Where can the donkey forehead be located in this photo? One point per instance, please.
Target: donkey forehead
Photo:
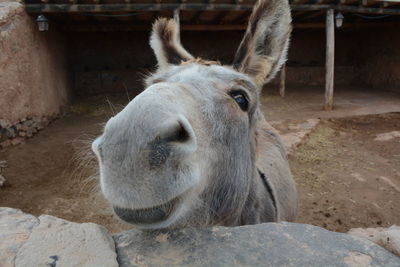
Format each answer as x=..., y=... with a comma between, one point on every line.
x=203, y=76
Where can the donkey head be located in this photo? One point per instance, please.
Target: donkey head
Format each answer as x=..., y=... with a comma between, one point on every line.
x=183, y=151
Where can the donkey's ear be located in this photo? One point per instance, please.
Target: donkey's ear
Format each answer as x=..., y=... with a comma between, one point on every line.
x=166, y=43
x=264, y=46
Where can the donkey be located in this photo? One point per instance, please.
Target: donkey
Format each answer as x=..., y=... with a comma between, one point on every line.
x=194, y=149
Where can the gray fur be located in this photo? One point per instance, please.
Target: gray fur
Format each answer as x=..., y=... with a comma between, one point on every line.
x=183, y=153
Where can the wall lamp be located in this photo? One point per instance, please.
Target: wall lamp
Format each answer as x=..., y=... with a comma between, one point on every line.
x=43, y=23
x=339, y=20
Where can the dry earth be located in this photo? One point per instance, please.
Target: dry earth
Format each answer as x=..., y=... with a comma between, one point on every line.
x=345, y=177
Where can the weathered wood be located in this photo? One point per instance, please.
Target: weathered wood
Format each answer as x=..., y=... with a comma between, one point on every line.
x=330, y=59
x=105, y=27
x=76, y=8
x=282, y=82
x=178, y=22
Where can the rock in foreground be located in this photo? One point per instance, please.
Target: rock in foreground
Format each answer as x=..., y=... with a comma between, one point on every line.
x=388, y=238
x=48, y=241
x=272, y=244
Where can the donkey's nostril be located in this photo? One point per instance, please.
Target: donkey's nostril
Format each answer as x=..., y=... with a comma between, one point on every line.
x=177, y=132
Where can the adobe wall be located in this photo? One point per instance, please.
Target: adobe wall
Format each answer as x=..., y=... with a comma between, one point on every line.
x=33, y=76
x=377, y=58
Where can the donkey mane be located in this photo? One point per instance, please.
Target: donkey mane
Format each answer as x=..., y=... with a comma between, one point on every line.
x=201, y=61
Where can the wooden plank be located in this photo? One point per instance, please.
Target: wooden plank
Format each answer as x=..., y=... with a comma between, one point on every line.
x=219, y=18
x=330, y=59
x=89, y=8
x=313, y=15
x=388, y=3
x=347, y=8
x=83, y=26
x=177, y=20
x=127, y=28
x=196, y=17
x=130, y=7
x=282, y=82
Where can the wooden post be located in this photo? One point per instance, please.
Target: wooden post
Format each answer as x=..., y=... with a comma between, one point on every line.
x=330, y=59
x=178, y=23
x=282, y=81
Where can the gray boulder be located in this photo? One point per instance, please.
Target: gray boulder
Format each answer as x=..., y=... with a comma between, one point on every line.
x=272, y=244
x=15, y=228
x=388, y=238
x=56, y=242
x=48, y=241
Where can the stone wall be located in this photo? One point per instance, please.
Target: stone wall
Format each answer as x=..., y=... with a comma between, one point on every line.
x=33, y=76
x=14, y=134
x=26, y=240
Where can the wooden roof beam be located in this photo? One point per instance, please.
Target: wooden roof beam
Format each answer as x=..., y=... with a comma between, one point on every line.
x=314, y=14
x=196, y=17
x=218, y=18
x=347, y=8
x=368, y=2
x=96, y=8
x=347, y=2
x=390, y=3
x=240, y=19
x=95, y=27
x=299, y=1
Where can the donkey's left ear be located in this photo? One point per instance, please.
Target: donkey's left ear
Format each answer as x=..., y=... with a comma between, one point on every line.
x=264, y=46
x=166, y=43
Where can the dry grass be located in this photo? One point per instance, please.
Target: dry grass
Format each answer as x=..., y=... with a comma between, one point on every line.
x=315, y=153
x=100, y=105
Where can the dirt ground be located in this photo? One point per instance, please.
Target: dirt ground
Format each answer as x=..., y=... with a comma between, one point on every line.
x=50, y=174
x=345, y=177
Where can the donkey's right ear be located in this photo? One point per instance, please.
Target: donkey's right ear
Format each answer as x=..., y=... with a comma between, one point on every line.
x=166, y=43
x=264, y=46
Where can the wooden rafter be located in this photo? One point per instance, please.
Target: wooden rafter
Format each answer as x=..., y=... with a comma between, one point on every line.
x=130, y=7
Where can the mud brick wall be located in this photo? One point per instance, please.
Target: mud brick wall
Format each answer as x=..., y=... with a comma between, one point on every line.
x=33, y=76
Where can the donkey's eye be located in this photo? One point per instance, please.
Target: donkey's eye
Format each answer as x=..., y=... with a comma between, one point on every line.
x=241, y=99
